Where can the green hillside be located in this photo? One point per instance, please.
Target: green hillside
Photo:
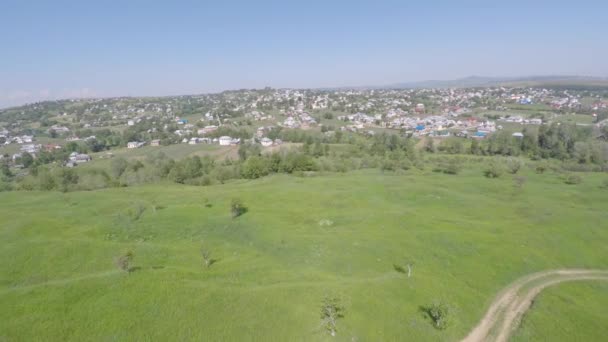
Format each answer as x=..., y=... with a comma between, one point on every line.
x=302, y=239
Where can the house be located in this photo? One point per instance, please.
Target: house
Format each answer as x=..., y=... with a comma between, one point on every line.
x=206, y=130
x=266, y=142
x=225, y=140
x=518, y=135
x=79, y=158
x=193, y=141
x=31, y=148
x=155, y=142
x=58, y=129
x=51, y=147
x=130, y=123
x=134, y=144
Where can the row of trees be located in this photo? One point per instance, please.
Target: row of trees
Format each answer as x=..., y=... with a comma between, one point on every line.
x=563, y=142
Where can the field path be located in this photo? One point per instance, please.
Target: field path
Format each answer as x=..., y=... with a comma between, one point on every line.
x=505, y=313
x=62, y=281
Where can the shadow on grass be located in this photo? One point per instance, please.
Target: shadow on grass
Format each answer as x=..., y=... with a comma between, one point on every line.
x=134, y=269
x=399, y=269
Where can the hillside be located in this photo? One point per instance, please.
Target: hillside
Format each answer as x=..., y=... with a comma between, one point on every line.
x=302, y=238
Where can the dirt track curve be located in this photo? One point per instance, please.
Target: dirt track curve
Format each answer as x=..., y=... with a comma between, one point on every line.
x=505, y=312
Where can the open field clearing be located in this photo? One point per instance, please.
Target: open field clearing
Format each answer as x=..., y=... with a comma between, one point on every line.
x=350, y=236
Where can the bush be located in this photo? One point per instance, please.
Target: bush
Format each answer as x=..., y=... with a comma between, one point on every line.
x=124, y=262
x=237, y=208
x=449, y=166
x=514, y=165
x=604, y=184
x=331, y=311
x=439, y=313
x=541, y=167
x=493, y=170
x=255, y=167
x=573, y=179
x=519, y=181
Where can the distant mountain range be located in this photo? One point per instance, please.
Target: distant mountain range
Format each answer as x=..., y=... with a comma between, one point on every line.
x=480, y=81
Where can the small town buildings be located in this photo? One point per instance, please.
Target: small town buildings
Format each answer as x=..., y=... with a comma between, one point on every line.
x=206, y=130
x=155, y=142
x=31, y=148
x=134, y=144
x=225, y=140
x=266, y=142
x=76, y=158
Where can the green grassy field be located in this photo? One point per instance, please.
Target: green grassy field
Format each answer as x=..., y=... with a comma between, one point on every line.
x=568, y=312
x=302, y=239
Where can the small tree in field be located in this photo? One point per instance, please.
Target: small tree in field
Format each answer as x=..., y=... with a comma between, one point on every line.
x=439, y=313
x=237, y=208
x=206, y=254
x=331, y=311
x=493, y=170
x=513, y=165
x=124, y=262
x=519, y=181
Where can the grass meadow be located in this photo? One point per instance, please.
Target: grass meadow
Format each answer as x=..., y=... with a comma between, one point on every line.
x=302, y=238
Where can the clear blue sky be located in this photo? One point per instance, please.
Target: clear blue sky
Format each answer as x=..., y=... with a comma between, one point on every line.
x=57, y=49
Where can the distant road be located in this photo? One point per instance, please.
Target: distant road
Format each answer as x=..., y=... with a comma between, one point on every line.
x=505, y=312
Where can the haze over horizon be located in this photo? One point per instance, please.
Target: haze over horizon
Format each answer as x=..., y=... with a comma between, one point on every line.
x=69, y=49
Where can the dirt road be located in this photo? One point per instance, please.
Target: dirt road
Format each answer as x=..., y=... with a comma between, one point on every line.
x=505, y=312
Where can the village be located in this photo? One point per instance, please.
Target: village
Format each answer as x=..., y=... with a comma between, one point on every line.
x=133, y=123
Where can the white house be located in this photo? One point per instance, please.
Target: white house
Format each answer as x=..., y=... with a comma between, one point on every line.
x=266, y=142
x=134, y=144
x=225, y=140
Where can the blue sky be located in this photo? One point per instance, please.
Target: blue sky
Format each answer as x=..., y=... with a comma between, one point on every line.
x=59, y=49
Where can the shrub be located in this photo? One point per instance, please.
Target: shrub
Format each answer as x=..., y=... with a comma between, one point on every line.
x=255, y=167
x=439, y=313
x=573, y=179
x=541, y=167
x=124, y=262
x=519, y=181
x=493, y=170
x=514, y=165
x=206, y=254
x=604, y=184
x=331, y=311
x=237, y=208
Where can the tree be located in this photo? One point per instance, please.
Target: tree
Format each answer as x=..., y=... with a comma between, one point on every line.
x=206, y=254
x=429, y=145
x=67, y=177
x=5, y=169
x=493, y=170
x=237, y=208
x=572, y=179
x=475, y=148
x=118, y=167
x=541, y=167
x=439, y=313
x=27, y=159
x=513, y=165
x=124, y=262
x=519, y=181
x=331, y=311
x=255, y=167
